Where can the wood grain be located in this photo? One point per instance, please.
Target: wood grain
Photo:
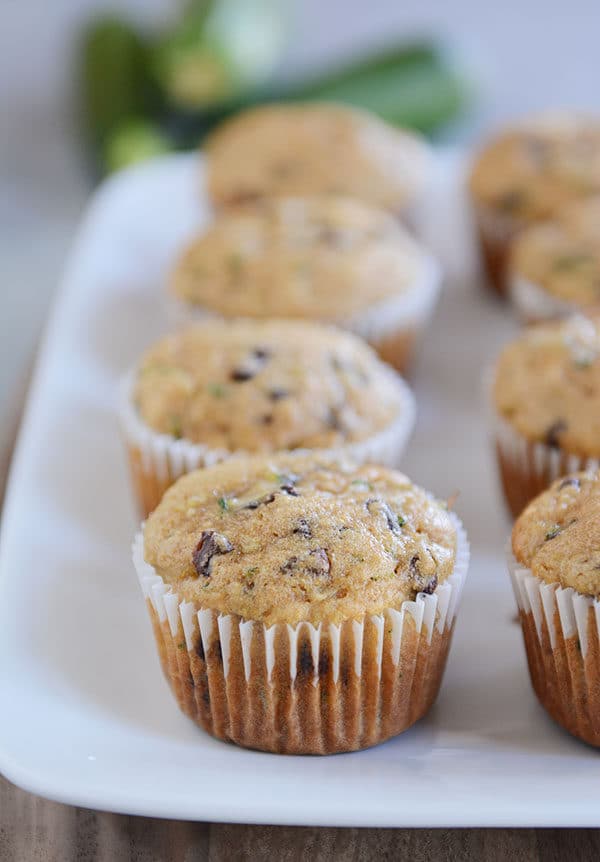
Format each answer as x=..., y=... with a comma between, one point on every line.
x=37, y=830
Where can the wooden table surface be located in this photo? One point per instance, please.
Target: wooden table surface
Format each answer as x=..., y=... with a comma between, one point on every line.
x=32, y=828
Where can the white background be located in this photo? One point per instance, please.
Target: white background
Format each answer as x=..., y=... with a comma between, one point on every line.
x=523, y=55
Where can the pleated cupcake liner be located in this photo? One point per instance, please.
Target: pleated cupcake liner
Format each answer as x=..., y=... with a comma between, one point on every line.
x=392, y=327
x=533, y=304
x=495, y=233
x=527, y=468
x=157, y=460
x=304, y=689
x=561, y=631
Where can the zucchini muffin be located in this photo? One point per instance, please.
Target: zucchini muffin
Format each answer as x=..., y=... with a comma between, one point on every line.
x=219, y=388
x=300, y=604
x=315, y=148
x=528, y=174
x=555, y=568
x=546, y=406
x=320, y=258
x=555, y=265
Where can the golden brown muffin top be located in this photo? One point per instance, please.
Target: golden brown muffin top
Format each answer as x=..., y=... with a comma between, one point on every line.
x=562, y=256
x=292, y=537
x=547, y=384
x=558, y=534
x=262, y=386
x=323, y=258
x=314, y=148
x=529, y=172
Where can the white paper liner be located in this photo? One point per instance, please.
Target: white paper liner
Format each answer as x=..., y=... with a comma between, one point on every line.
x=532, y=466
x=534, y=304
x=562, y=649
x=407, y=312
x=188, y=626
x=166, y=458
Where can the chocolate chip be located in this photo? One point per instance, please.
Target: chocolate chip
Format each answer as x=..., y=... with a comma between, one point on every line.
x=303, y=529
x=289, y=566
x=420, y=582
x=261, y=501
x=240, y=375
x=568, y=482
x=379, y=507
x=319, y=563
x=267, y=419
x=431, y=586
x=210, y=545
x=256, y=360
x=289, y=489
x=277, y=393
x=316, y=563
x=554, y=431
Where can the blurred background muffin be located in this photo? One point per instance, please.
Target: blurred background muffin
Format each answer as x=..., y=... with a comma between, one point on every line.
x=322, y=258
x=305, y=606
x=221, y=388
x=545, y=404
x=527, y=174
x=555, y=265
x=315, y=148
x=555, y=569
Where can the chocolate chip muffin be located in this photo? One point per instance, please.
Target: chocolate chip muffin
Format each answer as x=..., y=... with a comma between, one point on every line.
x=528, y=174
x=321, y=258
x=555, y=567
x=224, y=387
x=315, y=148
x=555, y=265
x=546, y=406
x=301, y=604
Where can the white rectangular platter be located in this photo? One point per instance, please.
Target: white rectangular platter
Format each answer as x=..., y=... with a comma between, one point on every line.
x=85, y=715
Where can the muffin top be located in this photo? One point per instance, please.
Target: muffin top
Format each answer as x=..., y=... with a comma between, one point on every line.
x=547, y=384
x=531, y=171
x=291, y=538
x=262, y=386
x=314, y=148
x=321, y=258
x=558, y=534
x=563, y=255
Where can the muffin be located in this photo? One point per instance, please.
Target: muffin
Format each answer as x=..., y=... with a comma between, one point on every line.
x=528, y=174
x=315, y=148
x=301, y=605
x=225, y=387
x=322, y=258
x=546, y=406
x=555, y=568
x=555, y=265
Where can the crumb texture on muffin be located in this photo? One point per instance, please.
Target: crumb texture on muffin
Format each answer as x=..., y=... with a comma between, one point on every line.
x=557, y=537
x=321, y=257
x=531, y=171
x=266, y=385
x=314, y=148
x=562, y=256
x=295, y=538
x=547, y=385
